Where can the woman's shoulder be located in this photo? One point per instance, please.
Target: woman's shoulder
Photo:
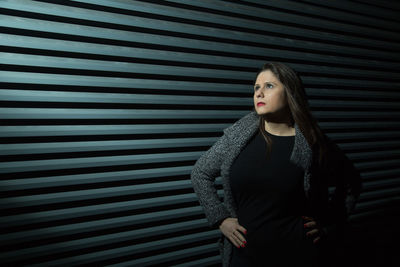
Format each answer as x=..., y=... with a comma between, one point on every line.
x=249, y=121
x=336, y=156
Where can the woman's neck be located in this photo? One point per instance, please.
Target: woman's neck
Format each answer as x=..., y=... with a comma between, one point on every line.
x=277, y=128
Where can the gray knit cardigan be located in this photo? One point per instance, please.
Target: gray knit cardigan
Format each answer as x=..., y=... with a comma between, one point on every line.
x=218, y=159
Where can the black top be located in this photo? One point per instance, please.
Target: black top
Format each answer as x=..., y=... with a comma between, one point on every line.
x=270, y=197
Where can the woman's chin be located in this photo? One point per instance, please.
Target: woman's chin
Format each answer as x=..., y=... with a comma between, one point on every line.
x=261, y=112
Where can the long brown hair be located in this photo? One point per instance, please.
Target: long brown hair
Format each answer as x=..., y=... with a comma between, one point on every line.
x=299, y=109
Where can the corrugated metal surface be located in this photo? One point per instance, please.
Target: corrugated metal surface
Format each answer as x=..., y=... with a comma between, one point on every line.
x=106, y=105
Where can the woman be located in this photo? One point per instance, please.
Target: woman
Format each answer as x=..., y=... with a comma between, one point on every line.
x=276, y=166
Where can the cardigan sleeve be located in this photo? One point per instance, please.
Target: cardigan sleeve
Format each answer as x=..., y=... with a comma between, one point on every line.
x=205, y=171
x=347, y=187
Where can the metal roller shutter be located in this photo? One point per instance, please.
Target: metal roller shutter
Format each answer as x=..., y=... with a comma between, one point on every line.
x=106, y=105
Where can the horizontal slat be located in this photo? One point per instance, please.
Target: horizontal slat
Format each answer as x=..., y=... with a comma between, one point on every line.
x=80, y=97
x=106, y=17
x=370, y=145
x=77, y=97
x=159, y=258
x=93, y=210
x=363, y=10
x=375, y=155
x=365, y=135
x=80, y=80
x=60, y=130
x=312, y=81
x=148, y=84
x=201, y=262
x=62, y=147
x=376, y=204
x=384, y=193
x=246, y=10
x=356, y=114
x=358, y=125
x=76, y=130
x=115, y=238
x=375, y=208
x=127, y=67
x=87, y=162
x=143, y=53
x=106, y=66
x=100, y=224
x=359, y=94
x=383, y=183
x=378, y=176
x=149, y=246
x=78, y=195
x=386, y=18
x=92, y=178
x=393, y=163
x=354, y=104
x=178, y=254
x=75, y=113
x=88, y=31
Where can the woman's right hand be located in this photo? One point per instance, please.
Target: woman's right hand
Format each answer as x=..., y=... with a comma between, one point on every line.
x=233, y=231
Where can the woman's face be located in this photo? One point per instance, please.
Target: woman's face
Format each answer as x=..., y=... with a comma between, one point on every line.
x=270, y=91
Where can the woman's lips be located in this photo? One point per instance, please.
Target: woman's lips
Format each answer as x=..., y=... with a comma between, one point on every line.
x=260, y=104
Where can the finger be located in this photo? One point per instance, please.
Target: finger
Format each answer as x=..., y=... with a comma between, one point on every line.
x=307, y=218
x=234, y=242
x=240, y=237
x=311, y=224
x=242, y=229
x=312, y=232
x=237, y=241
x=316, y=240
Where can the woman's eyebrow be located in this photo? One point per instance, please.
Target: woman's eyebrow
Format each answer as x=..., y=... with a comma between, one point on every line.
x=270, y=82
x=264, y=83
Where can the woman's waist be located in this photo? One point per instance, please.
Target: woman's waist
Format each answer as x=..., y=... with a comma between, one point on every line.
x=274, y=229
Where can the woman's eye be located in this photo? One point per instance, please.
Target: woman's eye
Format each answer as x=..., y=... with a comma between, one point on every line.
x=270, y=85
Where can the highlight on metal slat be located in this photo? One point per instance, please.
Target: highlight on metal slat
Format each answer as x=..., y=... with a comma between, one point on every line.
x=41, y=217
x=90, y=31
x=103, y=50
x=110, y=129
x=341, y=14
x=384, y=12
x=95, y=225
x=80, y=97
x=121, y=19
x=124, y=68
x=62, y=147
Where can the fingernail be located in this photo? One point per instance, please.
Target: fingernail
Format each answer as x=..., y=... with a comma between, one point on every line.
x=305, y=225
x=245, y=232
x=244, y=242
x=242, y=246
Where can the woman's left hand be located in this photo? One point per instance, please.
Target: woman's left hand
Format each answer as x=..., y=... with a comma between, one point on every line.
x=315, y=227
